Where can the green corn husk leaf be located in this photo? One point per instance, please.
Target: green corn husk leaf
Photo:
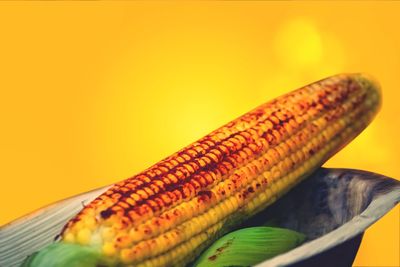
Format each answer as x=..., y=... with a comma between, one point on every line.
x=65, y=255
x=249, y=246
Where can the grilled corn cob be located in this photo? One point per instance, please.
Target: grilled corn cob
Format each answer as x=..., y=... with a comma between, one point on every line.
x=167, y=214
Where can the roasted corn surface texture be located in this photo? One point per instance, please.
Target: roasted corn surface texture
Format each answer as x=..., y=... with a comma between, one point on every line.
x=167, y=214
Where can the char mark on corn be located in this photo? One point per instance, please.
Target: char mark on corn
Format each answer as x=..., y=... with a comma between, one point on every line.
x=168, y=213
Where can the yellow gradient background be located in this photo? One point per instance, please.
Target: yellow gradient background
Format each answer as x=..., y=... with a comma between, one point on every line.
x=94, y=92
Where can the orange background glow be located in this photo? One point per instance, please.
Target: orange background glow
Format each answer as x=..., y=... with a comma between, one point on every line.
x=94, y=92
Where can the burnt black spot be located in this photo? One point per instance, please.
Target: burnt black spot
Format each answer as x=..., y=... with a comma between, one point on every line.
x=57, y=237
x=250, y=189
x=212, y=258
x=206, y=193
x=105, y=214
x=221, y=249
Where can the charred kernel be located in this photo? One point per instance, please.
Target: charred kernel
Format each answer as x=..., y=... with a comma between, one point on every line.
x=166, y=181
x=172, y=196
x=204, y=146
x=176, y=213
x=269, y=125
x=150, y=173
x=108, y=192
x=172, y=163
x=148, y=191
x=218, y=153
x=158, y=172
x=195, y=184
x=124, y=189
x=148, y=231
x=142, y=194
x=185, y=156
x=253, y=148
x=282, y=130
x=143, y=178
x=186, y=191
x=153, y=205
x=159, y=202
x=192, y=152
x=178, y=193
x=206, y=160
x=138, y=212
x=229, y=144
x=274, y=120
x=183, y=170
x=276, y=134
x=222, y=169
x=105, y=214
x=172, y=178
x=209, y=143
x=130, y=201
x=180, y=159
x=241, y=140
x=223, y=149
x=237, y=158
x=191, y=188
x=227, y=165
x=244, y=156
x=205, y=193
x=212, y=157
x=179, y=174
x=201, y=162
x=116, y=195
x=114, y=209
x=197, y=181
x=163, y=167
x=253, y=132
x=259, y=145
x=135, y=197
x=248, y=152
x=123, y=205
x=190, y=167
x=132, y=185
x=155, y=189
x=160, y=184
x=198, y=148
x=166, y=199
x=231, y=160
x=270, y=138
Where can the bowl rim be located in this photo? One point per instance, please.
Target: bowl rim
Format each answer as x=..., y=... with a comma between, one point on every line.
x=377, y=208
